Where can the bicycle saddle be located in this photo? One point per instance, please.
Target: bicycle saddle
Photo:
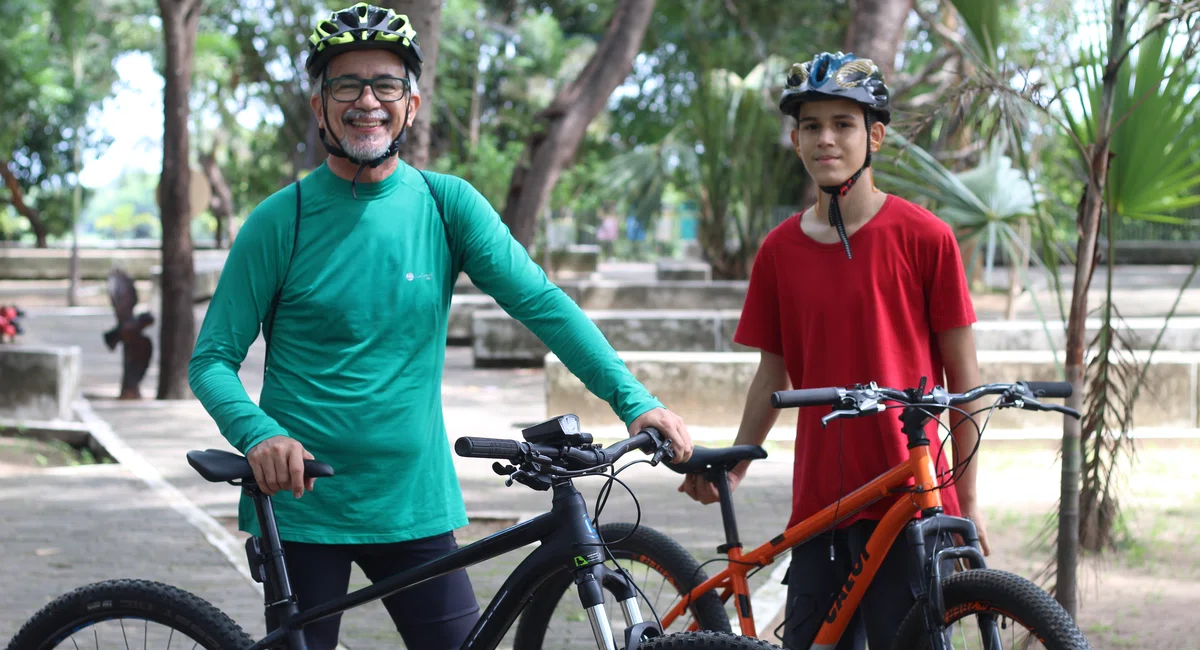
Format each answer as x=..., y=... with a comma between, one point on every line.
x=704, y=459
x=220, y=466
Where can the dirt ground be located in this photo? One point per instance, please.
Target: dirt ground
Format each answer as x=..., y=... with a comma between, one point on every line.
x=1145, y=593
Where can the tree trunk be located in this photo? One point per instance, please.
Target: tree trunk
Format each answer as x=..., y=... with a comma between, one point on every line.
x=426, y=17
x=1089, y=229
x=31, y=214
x=178, y=333
x=877, y=30
x=560, y=127
x=221, y=204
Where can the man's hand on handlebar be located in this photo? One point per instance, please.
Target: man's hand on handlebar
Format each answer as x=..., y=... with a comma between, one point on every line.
x=671, y=426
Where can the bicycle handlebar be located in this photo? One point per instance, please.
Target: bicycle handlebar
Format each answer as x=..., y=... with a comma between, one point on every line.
x=858, y=400
x=563, y=459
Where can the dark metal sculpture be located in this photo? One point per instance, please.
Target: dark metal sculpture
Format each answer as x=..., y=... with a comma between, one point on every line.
x=138, y=347
x=10, y=323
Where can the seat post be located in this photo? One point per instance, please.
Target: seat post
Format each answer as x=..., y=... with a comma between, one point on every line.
x=278, y=591
x=719, y=477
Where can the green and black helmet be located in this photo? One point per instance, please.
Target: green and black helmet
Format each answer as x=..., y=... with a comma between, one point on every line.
x=363, y=27
x=836, y=76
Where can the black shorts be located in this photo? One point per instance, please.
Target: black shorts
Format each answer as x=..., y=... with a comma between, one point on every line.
x=814, y=581
x=436, y=614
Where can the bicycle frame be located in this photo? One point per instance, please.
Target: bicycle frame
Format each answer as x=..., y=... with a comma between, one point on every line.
x=915, y=479
x=567, y=539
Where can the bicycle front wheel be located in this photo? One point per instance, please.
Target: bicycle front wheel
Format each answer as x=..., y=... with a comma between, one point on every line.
x=664, y=570
x=989, y=610
x=705, y=641
x=129, y=614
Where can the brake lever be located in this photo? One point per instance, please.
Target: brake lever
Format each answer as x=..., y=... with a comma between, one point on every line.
x=867, y=407
x=1066, y=410
x=1031, y=404
x=838, y=414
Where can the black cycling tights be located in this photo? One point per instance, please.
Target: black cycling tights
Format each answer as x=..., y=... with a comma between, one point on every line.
x=433, y=615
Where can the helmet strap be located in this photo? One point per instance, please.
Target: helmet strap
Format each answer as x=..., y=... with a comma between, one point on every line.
x=838, y=191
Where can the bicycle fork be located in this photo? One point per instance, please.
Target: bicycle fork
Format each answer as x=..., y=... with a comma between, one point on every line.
x=591, y=582
x=931, y=571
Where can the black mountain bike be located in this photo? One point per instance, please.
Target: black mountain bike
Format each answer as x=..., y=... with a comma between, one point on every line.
x=119, y=613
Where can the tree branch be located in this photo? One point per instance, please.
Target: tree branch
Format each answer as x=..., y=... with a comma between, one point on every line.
x=760, y=48
x=17, y=198
x=935, y=66
x=1162, y=21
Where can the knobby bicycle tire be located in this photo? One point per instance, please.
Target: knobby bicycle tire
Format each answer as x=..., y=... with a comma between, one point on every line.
x=645, y=545
x=705, y=640
x=169, y=606
x=988, y=591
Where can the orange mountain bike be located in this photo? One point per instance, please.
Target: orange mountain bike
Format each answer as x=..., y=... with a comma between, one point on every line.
x=973, y=608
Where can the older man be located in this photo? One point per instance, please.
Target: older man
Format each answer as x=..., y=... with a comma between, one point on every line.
x=350, y=274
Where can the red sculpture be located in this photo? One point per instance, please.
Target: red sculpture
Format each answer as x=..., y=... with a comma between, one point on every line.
x=128, y=331
x=10, y=324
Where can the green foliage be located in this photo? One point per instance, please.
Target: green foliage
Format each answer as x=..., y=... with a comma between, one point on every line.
x=53, y=70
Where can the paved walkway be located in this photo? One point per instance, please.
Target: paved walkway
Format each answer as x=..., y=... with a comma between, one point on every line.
x=153, y=517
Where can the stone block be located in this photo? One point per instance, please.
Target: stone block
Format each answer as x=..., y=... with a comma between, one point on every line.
x=38, y=382
x=675, y=270
x=1182, y=334
x=462, y=307
x=500, y=340
x=575, y=261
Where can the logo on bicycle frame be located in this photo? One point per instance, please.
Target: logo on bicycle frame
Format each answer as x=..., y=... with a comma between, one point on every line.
x=855, y=571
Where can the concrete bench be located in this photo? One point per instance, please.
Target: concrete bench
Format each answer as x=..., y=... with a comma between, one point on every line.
x=462, y=307
x=94, y=263
x=708, y=389
x=500, y=340
x=38, y=382
x=575, y=261
x=1183, y=334
x=674, y=270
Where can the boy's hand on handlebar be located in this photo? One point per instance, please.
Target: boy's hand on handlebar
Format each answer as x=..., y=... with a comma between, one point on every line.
x=278, y=465
x=671, y=426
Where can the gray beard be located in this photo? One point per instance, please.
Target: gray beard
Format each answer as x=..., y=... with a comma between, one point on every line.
x=365, y=150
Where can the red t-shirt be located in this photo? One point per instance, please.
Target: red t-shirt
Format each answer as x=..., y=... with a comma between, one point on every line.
x=839, y=322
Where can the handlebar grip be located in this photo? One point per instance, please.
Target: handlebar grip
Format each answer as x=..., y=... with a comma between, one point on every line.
x=806, y=397
x=1050, y=388
x=487, y=448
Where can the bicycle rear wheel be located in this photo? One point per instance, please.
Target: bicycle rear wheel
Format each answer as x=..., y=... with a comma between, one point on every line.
x=663, y=570
x=979, y=596
x=120, y=614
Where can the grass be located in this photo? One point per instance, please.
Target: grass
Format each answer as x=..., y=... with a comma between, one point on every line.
x=30, y=452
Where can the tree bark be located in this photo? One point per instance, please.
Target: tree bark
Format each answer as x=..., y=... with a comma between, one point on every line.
x=1067, y=559
x=426, y=18
x=559, y=128
x=877, y=30
x=31, y=214
x=181, y=19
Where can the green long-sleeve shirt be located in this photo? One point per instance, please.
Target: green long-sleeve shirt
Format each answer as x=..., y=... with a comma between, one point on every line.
x=358, y=345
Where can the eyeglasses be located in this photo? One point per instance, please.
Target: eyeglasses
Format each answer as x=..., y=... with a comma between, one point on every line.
x=350, y=88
